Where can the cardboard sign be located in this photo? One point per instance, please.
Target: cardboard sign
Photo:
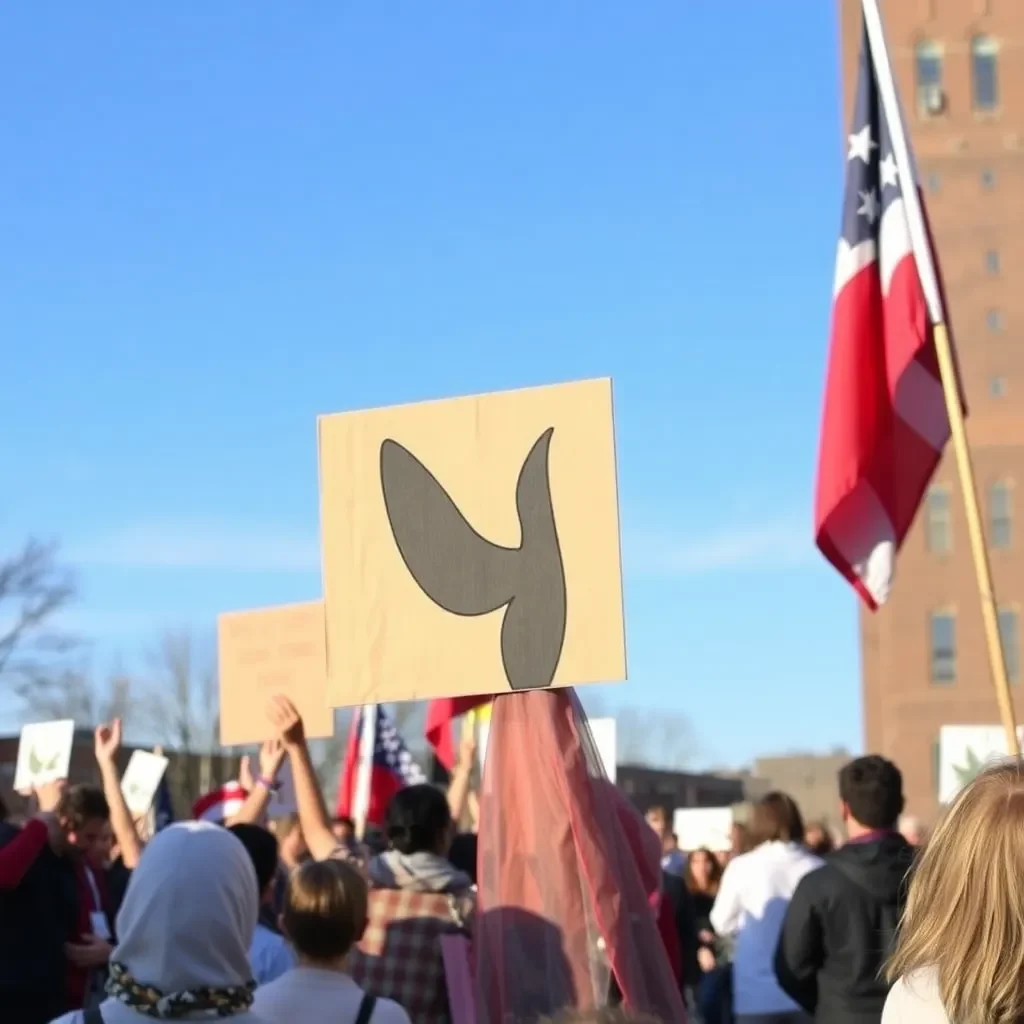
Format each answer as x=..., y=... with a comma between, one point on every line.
x=472, y=545
x=270, y=651
x=44, y=754
x=141, y=781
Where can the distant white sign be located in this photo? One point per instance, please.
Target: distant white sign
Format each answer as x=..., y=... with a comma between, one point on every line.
x=709, y=827
x=44, y=754
x=964, y=750
x=284, y=801
x=142, y=780
x=603, y=731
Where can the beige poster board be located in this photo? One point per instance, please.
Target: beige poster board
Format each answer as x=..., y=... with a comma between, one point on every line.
x=268, y=651
x=472, y=545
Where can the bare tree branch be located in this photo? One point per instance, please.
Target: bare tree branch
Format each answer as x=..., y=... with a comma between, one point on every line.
x=657, y=739
x=34, y=587
x=70, y=691
x=181, y=694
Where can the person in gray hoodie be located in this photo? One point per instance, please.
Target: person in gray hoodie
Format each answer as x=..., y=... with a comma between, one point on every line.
x=184, y=930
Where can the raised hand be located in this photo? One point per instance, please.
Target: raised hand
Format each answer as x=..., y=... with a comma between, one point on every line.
x=286, y=720
x=271, y=758
x=108, y=741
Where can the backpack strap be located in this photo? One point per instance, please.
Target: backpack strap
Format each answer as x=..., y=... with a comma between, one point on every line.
x=365, y=1010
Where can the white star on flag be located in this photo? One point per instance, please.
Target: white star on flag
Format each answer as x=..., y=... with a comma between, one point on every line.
x=861, y=144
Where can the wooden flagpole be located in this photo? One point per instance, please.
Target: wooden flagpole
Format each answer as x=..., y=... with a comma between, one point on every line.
x=947, y=366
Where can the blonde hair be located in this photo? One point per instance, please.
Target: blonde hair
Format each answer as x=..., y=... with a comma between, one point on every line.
x=965, y=908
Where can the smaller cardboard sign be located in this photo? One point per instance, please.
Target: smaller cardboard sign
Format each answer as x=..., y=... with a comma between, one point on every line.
x=44, y=754
x=141, y=781
x=283, y=801
x=703, y=827
x=269, y=651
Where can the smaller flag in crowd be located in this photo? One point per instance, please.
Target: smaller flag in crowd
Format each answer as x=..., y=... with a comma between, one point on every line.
x=220, y=804
x=440, y=715
x=885, y=423
x=377, y=765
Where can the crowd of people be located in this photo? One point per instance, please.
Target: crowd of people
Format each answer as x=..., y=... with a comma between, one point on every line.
x=302, y=920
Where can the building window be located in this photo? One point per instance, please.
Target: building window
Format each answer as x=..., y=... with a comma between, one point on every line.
x=992, y=261
x=1009, y=635
x=997, y=386
x=994, y=320
x=928, y=63
x=988, y=179
x=1000, y=514
x=938, y=526
x=985, y=72
x=942, y=640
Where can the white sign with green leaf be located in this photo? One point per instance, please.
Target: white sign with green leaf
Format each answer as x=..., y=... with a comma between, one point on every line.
x=964, y=750
x=44, y=754
x=141, y=780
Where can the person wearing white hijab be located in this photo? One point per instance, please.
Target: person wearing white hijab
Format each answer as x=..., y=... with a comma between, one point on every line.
x=184, y=933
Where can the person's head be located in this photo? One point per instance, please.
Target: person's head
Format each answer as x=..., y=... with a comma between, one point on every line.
x=739, y=839
x=291, y=842
x=344, y=830
x=418, y=820
x=190, y=913
x=325, y=911
x=261, y=846
x=703, y=871
x=84, y=817
x=870, y=795
x=965, y=907
x=776, y=818
x=657, y=818
x=818, y=839
x=911, y=829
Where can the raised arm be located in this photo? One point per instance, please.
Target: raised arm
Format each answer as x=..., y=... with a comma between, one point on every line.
x=313, y=817
x=107, y=742
x=261, y=788
x=19, y=848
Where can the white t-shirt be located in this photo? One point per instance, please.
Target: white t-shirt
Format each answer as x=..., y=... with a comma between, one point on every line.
x=752, y=899
x=270, y=955
x=313, y=996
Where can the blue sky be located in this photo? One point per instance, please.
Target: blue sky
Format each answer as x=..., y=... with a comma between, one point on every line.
x=221, y=220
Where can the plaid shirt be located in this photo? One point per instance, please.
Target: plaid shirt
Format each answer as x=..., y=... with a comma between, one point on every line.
x=399, y=956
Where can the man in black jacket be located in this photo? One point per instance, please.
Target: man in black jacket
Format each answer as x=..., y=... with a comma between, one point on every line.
x=842, y=920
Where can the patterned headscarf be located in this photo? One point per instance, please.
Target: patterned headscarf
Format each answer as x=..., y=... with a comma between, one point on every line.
x=144, y=999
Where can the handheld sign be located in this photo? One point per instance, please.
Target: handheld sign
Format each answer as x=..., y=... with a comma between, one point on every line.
x=269, y=651
x=142, y=780
x=471, y=545
x=44, y=754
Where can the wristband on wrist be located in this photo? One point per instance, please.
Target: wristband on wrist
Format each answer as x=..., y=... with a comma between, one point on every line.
x=270, y=785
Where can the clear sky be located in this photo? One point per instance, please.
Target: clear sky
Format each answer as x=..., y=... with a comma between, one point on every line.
x=219, y=220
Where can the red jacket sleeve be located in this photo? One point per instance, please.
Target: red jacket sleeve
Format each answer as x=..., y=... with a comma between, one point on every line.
x=18, y=855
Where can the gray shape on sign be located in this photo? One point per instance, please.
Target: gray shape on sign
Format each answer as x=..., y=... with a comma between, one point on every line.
x=466, y=574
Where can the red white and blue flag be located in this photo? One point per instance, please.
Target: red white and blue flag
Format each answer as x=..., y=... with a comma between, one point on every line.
x=377, y=765
x=885, y=423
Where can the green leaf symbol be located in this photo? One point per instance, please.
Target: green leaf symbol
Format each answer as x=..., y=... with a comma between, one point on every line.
x=35, y=766
x=969, y=770
x=52, y=763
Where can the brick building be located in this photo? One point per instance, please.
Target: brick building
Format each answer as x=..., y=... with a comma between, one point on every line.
x=960, y=69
